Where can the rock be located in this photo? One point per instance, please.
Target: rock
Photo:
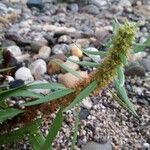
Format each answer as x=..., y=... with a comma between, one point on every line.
x=16, y=83
x=73, y=7
x=134, y=69
x=60, y=49
x=71, y=65
x=65, y=39
x=36, y=45
x=70, y=80
x=35, y=3
x=76, y=51
x=38, y=68
x=97, y=146
x=24, y=74
x=92, y=9
x=41, y=91
x=53, y=67
x=58, y=56
x=44, y=52
x=14, y=50
x=95, y=58
x=146, y=64
x=87, y=103
x=73, y=58
x=84, y=113
x=84, y=43
x=146, y=146
x=98, y=3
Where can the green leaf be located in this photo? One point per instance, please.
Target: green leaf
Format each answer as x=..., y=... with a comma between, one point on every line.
x=73, y=72
x=138, y=47
x=123, y=96
x=122, y=103
x=76, y=125
x=19, y=134
x=57, y=123
x=52, y=96
x=121, y=77
x=101, y=53
x=123, y=59
x=84, y=63
x=36, y=140
x=6, y=69
x=82, y=95
x=8, y=114
x=51, y=86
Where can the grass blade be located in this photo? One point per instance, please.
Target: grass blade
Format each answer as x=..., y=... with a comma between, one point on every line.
x=8, y=113
x=138, y=47
x=36, y=140
x=121, y=77
x=52, y=96
x=20, y=133
x=57, y=123
x=84, y=63
x=86, y=92
x=76, y=125
x=6, y=69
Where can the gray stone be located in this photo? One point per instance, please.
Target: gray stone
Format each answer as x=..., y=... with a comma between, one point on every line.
x=14, y=50
x=146, y=63
x=134, y=69
x=98, y=3
x=84, y=113
x=35, y=3
x=92, y=9
x=74, y=7
x=97, y=146
x=60, y=49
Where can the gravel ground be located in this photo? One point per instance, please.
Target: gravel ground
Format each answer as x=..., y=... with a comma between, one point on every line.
x=36, y=35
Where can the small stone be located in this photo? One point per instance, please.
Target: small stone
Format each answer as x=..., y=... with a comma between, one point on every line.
x=96, y=58
x=143, y=39
x=16, y=83
x=73, y=58
x=70, y=80
x=14, y=50
x=84, y=43
x=38, y=68
x=44, y=52
x=65, y=39
x=24, y=74
x=73, y=7
x=53, y=67
x=146, y=146
x=76, y=51
x=41, y=91
x=134, y=69
x=87, y=103
x=146, y=64
x=92, y=9
x=60, y=49
x=36, y=45
x=35, y=3
x=71, y=65
x=99, y=3
x=97, y=146
x=84, y=113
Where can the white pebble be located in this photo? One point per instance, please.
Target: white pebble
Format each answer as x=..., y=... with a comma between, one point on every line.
x=14, y=50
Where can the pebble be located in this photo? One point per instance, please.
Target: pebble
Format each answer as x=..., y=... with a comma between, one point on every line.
x=38, y=68
x=60, y=49
x=14, y=50
x=44, y=52
x=92, y=9
x=73, y=7
x=35, y=3
x=70, y=80
x=71, y=65
x=134, y=69
x=53, y=67
x=76, y=51
x=24, y=74
x=87, y=103
x=146, y=63
x=84, y=113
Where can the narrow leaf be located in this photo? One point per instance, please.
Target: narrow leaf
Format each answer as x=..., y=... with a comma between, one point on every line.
x=52, y=96
x=6, y=69
x=84, y=63
x=121, y=77
x=76, y=125
x=8, y=114
x=57, y=123
x=19, y=134
x=86, y=92
x=138, y=48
